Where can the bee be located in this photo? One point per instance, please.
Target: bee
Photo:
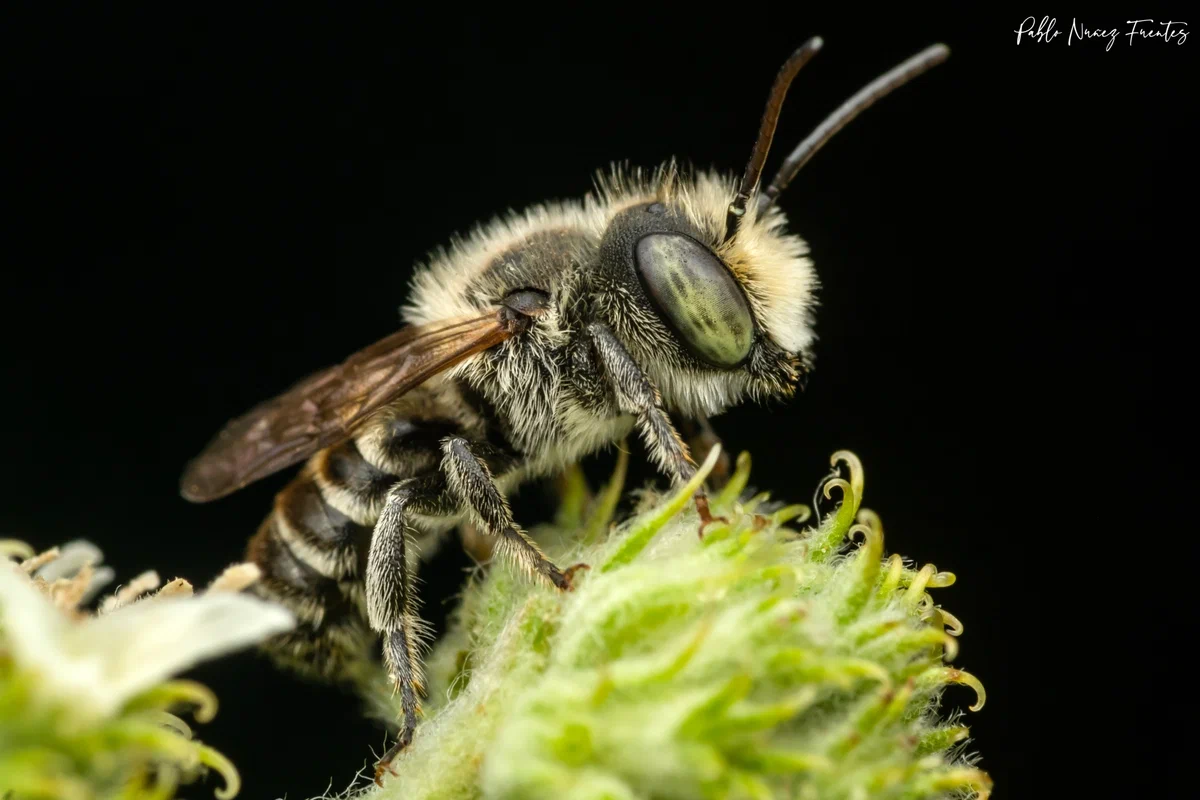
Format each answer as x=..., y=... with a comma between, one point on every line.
x=539, y=339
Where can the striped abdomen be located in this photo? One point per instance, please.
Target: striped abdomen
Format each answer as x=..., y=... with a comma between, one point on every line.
x=313, y=546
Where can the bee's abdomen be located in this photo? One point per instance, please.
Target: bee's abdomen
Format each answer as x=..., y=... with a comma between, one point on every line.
x=329, y=632
x=312, y=548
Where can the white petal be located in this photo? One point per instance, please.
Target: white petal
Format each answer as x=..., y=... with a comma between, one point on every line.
x=142, y=644
x=32, y=625
x=35, y=633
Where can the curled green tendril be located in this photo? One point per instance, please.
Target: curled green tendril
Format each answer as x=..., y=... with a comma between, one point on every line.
x=840, y=484
x=872, y=538
x=940, y=676
x=175, y=693
x=954, y=625
x=169, y=721
x=856, y=472
x=942, y=579
x=224, y=767
x=830, y=534
x=949, y=646
x=869, y=518
x=866, y=565
x=798, y=513
x=916, y=589
x=165, y=744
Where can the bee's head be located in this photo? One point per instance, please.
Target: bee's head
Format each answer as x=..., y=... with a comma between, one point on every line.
x=700, y=277
x=712, y=319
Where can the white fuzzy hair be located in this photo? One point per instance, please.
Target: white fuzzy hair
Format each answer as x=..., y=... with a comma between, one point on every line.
x=771, y=265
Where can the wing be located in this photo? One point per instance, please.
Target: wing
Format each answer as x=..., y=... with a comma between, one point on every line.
x=325, y=408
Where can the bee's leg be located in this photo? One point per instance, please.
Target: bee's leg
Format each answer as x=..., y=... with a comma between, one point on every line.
x=391, y=601
x=471, y=481
x=636, y=395
x=701, y=438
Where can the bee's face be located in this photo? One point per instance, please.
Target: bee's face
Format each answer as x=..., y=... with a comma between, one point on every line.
x=714, y=320
x=700, y=276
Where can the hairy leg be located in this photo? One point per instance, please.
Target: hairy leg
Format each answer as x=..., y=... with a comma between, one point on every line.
x=636, y=395
x=471, y=481
x=391, y=599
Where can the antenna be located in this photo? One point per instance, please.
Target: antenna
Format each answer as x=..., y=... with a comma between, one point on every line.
x=862, y=100
x=766, y=132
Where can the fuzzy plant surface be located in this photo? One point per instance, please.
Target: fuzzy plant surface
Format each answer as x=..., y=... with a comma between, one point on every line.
x=763, y=658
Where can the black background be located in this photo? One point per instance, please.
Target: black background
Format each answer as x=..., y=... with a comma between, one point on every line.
x=206, y=209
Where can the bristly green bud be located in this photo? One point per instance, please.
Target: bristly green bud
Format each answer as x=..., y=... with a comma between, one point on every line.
x=763, y=659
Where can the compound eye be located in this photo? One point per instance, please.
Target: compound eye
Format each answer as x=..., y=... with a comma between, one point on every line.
x=698, y=296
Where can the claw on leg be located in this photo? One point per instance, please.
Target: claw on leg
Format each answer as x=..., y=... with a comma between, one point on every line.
x=569, y=574
x=399, y=656
x=385, y=763
x=563, y=579
x=706, y=517
x=408, y=725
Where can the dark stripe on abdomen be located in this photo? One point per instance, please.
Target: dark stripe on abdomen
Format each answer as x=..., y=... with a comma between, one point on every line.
x=291, y=579
x=344, y=467
x=411, y=439
x=313, y=547
x=323, y=533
